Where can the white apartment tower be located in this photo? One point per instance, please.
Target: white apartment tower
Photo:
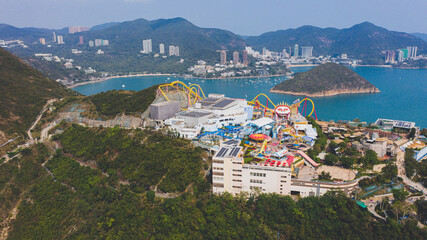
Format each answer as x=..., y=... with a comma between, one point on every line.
x=147, y=46
x=162, y=48
x=60, y=39
x=307, y=52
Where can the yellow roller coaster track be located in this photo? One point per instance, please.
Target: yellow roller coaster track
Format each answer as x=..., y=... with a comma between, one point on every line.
x=308, y=99
x=192, y=90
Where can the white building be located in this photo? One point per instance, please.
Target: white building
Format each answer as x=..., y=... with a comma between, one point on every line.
x=98, y=42
x=60, y=39
x=307, y=52
x=211, y=113
x=231, y=174
x=147, y=46
x=162, y=48
x=91, y=43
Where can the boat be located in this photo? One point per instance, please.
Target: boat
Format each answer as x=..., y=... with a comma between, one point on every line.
x=123, y=86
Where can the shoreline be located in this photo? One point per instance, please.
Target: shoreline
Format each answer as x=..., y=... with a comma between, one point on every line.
x=326, y=93
x=120, y=76
x=161, y=74
x=224, y=78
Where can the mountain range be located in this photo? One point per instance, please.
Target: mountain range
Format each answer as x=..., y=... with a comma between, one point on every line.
x=364, y=41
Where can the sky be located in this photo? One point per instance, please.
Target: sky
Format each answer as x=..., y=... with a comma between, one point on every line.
x=245, y=17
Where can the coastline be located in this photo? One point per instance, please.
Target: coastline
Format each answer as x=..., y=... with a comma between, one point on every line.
x=327, y=93
x=98, y=80
x=224, y=78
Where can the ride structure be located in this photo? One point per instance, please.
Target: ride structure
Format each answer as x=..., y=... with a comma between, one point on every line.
x=304, y=108
x=193, y=92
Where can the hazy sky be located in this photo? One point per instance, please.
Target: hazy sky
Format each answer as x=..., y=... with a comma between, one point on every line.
x=247, y=17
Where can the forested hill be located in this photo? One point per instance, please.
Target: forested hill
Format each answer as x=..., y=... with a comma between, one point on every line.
x=23, y=92
x=360, y=40
x=111, y=199
x=325, y=80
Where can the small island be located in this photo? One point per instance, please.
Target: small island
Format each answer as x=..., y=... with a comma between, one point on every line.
x=328, y=79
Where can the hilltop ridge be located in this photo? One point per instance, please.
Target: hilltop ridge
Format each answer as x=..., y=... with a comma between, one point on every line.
x=325, y=80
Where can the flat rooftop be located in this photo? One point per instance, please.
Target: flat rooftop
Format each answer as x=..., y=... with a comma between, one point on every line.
x=194, y=114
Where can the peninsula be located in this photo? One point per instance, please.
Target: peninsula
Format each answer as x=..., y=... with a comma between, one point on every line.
x=325, y=80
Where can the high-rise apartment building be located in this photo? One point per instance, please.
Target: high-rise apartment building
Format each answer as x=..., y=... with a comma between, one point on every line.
x=236, y=57
x=54, y=37
x=390, y=56
x=245, y=57
x=75, y=29
x=81, y=40
x=412, y=51
x=60, y=39
x=171, y=50
x=162, y=48
x=307, y=52
x=147, y=46
x=105, y=42
x=400, y=57
x=223, y=57
x=42, y=41
x=296, y=50
x=91, y=43
x=176, y=51
x=98, y=42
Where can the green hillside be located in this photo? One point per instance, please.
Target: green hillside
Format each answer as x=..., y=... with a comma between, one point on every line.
x=364, y=40
x=23, y=93
x=114, y=102
x=328, y=77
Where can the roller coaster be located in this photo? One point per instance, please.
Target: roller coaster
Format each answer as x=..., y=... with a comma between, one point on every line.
x=195, y=93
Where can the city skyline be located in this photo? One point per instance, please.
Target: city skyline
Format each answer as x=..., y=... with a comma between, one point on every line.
x=241, y=17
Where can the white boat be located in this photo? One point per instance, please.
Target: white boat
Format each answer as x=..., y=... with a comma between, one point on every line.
x=123, y=86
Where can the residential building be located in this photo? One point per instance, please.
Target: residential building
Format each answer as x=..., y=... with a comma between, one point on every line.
x=60, y=39
x=296, y=50
x=54, y=37
x=176, y=51
x=75, y=29
x=307, y=52
x=223, y=57
x=400, y=55
x=162, y=48
x=91, y=43
x=245, y=57
x=81, y=40
x=171, y=50
x=98, y=42
x=42, y=41
x=389, y=56
x=412, y=52
x=147, y=46
x=236, y=58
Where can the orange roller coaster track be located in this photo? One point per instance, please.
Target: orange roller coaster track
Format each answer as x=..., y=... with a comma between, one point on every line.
x=194, y=91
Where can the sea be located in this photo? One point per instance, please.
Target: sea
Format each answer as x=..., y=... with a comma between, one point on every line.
x=403, y=93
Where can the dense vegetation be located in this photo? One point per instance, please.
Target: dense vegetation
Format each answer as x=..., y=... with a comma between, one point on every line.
x=321, y=141
x=23, y=93
x=416, y=171
x=326, y=77
x=142, y=158
x=114, y=102
x=78, y=202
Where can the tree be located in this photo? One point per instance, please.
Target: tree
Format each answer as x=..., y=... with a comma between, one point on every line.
x=347, y=162
x=331, y=159
x=369, y=159
x=325, y=176
x=411, y=133
x=399, y=194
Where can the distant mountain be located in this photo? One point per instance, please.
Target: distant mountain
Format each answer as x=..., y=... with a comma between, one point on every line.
x=103, y=26
x=360, y=40
x=23, y=93
x=423, y=36
x=325, y=80
x=8, y=32
x=193, y=41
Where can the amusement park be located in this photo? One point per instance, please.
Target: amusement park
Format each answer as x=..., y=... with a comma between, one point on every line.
x=247, y=139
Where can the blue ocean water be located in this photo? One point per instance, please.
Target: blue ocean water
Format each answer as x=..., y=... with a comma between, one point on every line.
x=403, y=93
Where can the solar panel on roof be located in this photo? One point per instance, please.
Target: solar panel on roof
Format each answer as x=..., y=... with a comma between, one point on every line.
x=225, y=152
x=220, y=152
x=223, y=103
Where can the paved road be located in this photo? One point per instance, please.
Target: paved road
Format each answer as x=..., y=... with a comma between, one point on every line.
x=402, y=173
x=45, y=107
